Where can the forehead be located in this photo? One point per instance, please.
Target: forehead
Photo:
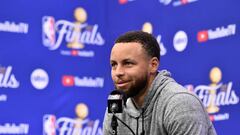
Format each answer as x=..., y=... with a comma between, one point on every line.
x=127, y=47
x=127, y=50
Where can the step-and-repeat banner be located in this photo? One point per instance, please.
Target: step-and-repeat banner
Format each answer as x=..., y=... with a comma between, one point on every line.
x=54, y=59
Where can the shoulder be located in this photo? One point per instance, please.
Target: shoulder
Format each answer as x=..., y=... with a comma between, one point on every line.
x=175, y=101
x=175, y=91
x=183, y=109
x=185, y=112
x=179, y=100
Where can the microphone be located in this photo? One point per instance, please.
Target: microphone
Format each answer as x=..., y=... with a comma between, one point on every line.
x=116, y=100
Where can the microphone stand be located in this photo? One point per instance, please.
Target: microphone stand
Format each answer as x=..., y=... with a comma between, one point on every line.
x=114, y=124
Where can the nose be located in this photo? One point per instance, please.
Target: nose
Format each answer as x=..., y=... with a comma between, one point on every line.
x=119, y=71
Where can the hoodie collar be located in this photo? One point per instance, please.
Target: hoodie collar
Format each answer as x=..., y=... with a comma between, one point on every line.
x=160, y=81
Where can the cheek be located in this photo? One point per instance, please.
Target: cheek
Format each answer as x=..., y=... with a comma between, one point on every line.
x=112, y=75
x=139, y=71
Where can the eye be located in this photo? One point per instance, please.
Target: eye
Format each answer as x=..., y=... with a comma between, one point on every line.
x=113, y=64
x=128, y=63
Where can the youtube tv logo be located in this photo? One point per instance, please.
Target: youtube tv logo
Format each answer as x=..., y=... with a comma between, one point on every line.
x=122, y=1
x=84, y=81
x=74, y=53
x=211, y=117
x=184, y=1
x=219, y=32
x=219, y=117
x=202, y=36
x=68, y=80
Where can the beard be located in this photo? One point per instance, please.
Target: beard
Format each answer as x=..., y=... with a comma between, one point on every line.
x=137, y=87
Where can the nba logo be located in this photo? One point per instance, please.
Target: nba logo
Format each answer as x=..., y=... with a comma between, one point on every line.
x=48, y=31
x=49, y=124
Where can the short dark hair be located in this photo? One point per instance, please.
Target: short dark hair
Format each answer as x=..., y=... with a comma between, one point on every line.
x=148, y=42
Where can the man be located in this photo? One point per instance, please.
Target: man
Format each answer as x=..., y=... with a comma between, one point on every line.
x=157, y=105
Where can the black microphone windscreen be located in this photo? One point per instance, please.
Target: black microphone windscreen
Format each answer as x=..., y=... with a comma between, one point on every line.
x=116, y=100
x=120, y=92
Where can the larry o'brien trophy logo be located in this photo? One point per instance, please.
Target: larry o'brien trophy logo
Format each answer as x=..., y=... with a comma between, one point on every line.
x=77, y=34
x=215, y=95
x=215, y=77
x=80, y=125
x=147, y=27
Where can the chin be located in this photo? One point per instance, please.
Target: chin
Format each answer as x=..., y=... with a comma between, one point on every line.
x=123, y=90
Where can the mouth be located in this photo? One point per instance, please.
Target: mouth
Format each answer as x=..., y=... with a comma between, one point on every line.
x=121, y=85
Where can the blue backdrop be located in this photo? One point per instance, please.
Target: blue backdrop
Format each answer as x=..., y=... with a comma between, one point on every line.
x=54, y=59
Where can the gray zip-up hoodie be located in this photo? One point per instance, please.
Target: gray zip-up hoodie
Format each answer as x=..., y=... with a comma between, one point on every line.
x=168, y=109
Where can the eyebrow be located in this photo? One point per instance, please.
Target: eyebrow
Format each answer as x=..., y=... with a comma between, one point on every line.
x=111, y=61
x=124, y=60
x=128, y=60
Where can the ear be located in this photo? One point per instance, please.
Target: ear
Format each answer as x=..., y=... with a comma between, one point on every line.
x=154, y=64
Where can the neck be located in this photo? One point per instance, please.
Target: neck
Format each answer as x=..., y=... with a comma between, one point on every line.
x=139, y=99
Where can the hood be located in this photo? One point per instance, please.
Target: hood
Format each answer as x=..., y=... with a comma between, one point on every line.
x=160, y=81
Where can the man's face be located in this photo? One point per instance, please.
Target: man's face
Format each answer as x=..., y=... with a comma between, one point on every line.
x=130, y=67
